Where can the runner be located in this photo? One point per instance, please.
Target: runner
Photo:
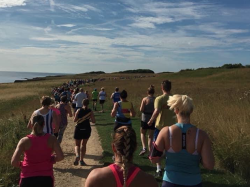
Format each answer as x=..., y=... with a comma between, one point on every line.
x=87, y=94
x=102, y=96
x=65, y=111
x=79, y=98
x=147, y=109
x=94, y=99
x=116, y=95
x=48, y=114
x=58, y=115
x=123, y=172
x=73, y=105
x=82, y=131
x=122, y=111
x=162, y=115
x=38, y=148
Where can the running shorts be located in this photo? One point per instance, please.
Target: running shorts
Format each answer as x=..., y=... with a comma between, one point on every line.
x=73, y=105
x=94, y=100
x=145, y=126
x=118, y=125
x=82, y=133
x=102, y=101
x=39, y=181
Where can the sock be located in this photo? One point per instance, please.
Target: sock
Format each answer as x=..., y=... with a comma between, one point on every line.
x=158, y=168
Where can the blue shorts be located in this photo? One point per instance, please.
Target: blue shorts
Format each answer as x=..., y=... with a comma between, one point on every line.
x=156, y=133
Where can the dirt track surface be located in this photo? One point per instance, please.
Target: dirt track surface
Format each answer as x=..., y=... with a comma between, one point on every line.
x=66, y=174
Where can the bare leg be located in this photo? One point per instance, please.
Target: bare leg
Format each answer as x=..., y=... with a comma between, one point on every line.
x=150, y=139
x=83, y=148
x=143, y=138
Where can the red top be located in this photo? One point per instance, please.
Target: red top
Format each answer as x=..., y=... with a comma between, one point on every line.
x=37, y=159
x=118, y=174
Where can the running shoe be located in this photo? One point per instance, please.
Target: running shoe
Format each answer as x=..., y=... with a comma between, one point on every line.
x=158, y=174
x=143, y=151
x=76, y=162
x=82, y=163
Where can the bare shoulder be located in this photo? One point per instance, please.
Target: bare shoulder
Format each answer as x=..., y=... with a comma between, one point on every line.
x=99, y=177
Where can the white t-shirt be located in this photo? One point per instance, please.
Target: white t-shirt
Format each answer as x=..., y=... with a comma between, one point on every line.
x=79, y=97
x=102, y=95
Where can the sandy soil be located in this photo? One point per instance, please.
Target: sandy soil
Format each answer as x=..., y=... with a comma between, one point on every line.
x=66, y=174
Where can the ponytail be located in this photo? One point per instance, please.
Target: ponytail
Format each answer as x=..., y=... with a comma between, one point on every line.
x=38, y=122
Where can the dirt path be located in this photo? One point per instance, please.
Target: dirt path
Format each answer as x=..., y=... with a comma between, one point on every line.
x=66, y=174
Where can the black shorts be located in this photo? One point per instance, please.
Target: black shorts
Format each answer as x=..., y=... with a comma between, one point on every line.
x=118, y=125
x=39, y=181
x=94, y=100
x=73, y=105
x=82, y=133
x=145, y=126
x=102, y=101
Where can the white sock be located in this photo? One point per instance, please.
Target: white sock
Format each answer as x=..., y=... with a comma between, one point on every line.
x=158, y=168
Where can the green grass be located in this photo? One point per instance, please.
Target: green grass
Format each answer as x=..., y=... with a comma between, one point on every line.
x=105, y=124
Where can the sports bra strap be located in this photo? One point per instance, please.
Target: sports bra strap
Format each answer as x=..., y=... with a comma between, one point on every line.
x=196, y=139
x=132, y=176
x=118, y=182
x=170, y=137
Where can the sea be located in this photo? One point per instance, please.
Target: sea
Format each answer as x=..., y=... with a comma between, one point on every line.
x=11, y=76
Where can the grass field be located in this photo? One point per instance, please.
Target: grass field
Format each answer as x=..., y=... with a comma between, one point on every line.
x=221, y=98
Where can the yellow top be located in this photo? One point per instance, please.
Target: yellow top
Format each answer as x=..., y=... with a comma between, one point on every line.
x=166, y=117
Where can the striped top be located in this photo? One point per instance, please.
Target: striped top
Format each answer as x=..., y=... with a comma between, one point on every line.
x=47, y=120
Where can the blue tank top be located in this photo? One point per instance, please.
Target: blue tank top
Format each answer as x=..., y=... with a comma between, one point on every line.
x=123, y=113
x=182, y=168
x=116, y=97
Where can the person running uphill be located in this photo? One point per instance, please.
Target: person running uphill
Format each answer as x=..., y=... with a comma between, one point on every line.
x=102, y=96
x=123, y=173
x=82, y=131
x=122, y=111
x=116, y=95
x=38, y=149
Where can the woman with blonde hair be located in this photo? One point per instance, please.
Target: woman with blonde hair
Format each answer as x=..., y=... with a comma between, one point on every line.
x=123, y=173
x=185, y=145
x=38, y=149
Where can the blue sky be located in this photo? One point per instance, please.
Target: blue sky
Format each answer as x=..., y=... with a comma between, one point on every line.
x=75, y=36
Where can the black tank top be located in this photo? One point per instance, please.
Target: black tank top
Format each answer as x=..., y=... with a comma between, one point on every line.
x=84, y=116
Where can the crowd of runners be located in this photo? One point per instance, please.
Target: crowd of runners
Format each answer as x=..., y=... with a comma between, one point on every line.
x=166, y=120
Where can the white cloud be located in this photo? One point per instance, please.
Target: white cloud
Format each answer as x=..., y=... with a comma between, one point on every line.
x=73, y=8
x=149, y=22
x=66, y=25
x=52, y=5
x=11, y=3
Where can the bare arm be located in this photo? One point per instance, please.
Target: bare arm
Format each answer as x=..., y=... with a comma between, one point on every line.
x=15, y=160
x=132, y=111
x=160, y=143
x=111, y=97
x=68, y=109
x=142, y=105
x=207, y=154
x=58, y=151
x=114, y=110
x=76, y=115
x=29, y=126
x=153, y=117
x=55, y=121
x=92, y=179
x=92, y=117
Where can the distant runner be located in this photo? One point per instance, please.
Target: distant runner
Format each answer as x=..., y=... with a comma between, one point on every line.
x=116, y=95
x=102, y=97
x=94, y=99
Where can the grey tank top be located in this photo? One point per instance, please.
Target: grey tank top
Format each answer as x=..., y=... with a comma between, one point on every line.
x=148, y=109
x=64, y=120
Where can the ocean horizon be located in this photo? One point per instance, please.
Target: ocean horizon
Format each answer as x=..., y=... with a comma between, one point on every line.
x=11, y=76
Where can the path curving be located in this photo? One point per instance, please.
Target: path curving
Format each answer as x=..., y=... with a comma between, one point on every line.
x=66, y=174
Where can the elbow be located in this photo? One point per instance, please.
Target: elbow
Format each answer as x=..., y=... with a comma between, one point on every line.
x=209, y=166
x=15, y=163
x=60, y=158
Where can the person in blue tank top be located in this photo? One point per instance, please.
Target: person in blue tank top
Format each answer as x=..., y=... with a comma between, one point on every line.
x=116, y=95
x=186, y=147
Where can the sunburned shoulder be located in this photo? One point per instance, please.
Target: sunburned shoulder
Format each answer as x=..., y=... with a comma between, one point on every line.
x=98, y=176
x=146, y=180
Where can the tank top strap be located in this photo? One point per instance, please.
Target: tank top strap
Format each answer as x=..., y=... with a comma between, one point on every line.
x=118, y=182
x=133, y=175
x=170, y=140
x=196, y=141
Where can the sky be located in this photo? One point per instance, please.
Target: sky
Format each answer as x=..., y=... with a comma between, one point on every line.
x=76, y=36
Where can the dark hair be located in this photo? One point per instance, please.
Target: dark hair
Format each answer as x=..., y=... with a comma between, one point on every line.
x=124, y=141
x=64, y=98
x=46, y=101
x=37, y=122
x=123, y=94
x=151, y=89
x=116, y=89
x=166, y=85
x=85, y=102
